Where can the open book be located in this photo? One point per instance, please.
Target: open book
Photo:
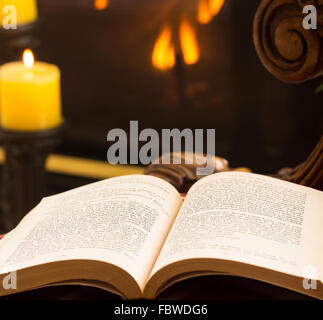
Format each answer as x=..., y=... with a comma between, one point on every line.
x=135, y=236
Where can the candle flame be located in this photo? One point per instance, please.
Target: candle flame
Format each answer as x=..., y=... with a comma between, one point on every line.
x=101, y=4
x=28, y=58
x=163, y=52
x=189, y=44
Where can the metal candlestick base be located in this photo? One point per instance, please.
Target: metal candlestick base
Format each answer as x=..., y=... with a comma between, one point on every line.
x=23, y=173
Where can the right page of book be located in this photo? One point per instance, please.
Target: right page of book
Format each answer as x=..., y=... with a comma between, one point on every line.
x=249, y=218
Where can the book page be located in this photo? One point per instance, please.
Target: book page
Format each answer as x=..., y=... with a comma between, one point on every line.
x=122, y=221
x=249, y=218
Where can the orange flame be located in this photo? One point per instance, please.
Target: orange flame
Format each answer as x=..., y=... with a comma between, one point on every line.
x=190, y=48
x=101, y=4
x=28, y=58
x=204, y=13
x=207, y=9
x=215, y=6
x=163, y=52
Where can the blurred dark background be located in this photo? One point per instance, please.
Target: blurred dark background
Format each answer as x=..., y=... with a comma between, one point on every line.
x=104, y=50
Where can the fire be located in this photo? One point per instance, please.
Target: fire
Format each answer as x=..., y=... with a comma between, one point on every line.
x=163, y=56
x=28, y=58
x=101, y=4
x=163, y=52
x=207, y=9
x=190, y=48
x=204, y=12
x=215, y=6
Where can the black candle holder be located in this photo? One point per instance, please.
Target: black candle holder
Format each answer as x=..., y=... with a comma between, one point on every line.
x=14, y=41
x=23, y=173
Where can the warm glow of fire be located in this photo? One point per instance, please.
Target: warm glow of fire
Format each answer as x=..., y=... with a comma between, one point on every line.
x=163, y=53
x=190, y=48
x=207, y=9
x=215, y=6
x=101, y=4
x=204, y=13
x=28, y=58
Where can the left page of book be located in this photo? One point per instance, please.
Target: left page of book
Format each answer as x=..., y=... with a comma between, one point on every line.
x=122, y=221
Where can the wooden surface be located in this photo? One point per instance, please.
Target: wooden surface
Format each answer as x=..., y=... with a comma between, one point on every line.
x=290, y=52
x=182, y=175
x=310, y=172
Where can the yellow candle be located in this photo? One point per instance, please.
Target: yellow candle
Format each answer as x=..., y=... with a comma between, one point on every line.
x=30, y=97
x=26, y=10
